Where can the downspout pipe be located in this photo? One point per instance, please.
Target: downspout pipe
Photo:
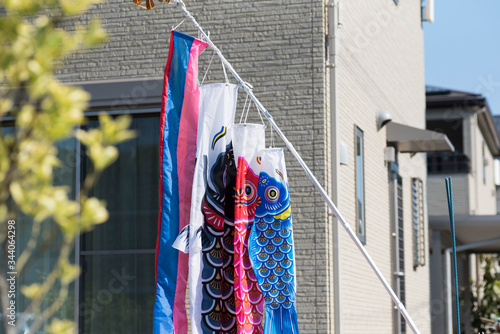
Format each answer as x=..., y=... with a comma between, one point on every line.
x=447, y=277
x=333, y=46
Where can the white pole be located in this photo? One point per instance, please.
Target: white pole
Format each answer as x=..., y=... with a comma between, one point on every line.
x=447, y=283
x=315, y=182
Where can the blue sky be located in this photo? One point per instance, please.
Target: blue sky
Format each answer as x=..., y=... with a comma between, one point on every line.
x=462, y=48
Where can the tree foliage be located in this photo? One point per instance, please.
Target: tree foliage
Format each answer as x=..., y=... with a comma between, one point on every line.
x=486, y=305
x=35, y=36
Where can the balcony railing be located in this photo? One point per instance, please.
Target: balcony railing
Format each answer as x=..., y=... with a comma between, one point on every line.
x=447, y=163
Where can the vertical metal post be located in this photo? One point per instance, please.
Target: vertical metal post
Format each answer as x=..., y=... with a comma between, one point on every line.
x=78, y=170
x=449, y=193
x=333, y=49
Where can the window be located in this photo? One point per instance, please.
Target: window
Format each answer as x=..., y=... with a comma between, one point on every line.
x=484, y=162
x=400, y=241
x=46, y=251
x=117, y=285
x=417, y=198
x=397, y=247
x=452, y=128
x=360, y=186
x=448, y=162
x=116, y=289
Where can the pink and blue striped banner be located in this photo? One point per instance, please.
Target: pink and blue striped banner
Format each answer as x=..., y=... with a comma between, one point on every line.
x=178, y=131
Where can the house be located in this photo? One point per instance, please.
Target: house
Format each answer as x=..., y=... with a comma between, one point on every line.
x=467, y=121
x=497, y=166
x=345, y=82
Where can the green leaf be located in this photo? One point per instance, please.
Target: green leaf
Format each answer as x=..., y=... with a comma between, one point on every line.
x=95, y=34
x=58, y=326
x=102, y=157
x=69, y=272
x=496, y=288
x=93, y=212
x=32, y=291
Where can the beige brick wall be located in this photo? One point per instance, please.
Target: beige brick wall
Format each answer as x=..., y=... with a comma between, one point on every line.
x=436, y=194
x=483, y=201
x=380, y=67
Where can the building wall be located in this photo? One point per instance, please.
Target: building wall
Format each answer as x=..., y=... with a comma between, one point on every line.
x=436, y=191
x=471, y=194
x=498, y=200
x=483, y=199
x=278, y=47
x=497, y=182
x=436, y=194
x=380, y=66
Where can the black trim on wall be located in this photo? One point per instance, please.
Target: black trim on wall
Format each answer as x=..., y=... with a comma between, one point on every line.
x=120, y=94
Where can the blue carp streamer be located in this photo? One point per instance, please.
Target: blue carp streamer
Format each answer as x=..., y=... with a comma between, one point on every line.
x=272, y=255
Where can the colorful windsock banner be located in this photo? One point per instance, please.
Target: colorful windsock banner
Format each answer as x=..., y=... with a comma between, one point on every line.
x=211, y=277
x=248, y=141
x=225, y=221
x=271, y=245
x=178, y=131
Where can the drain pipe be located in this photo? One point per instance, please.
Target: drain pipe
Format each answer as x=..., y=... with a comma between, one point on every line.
x=447, y=277
x=333, y=46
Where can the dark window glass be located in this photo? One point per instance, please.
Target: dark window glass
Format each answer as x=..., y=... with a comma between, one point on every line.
x=118, y=293
x=452, y=128
x=448, y=162
x=117, y=287
x=130, y=188
x=48, y=243
x=360, y=186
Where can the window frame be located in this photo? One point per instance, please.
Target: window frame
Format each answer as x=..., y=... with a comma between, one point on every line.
x=113, y=97
x=80, y=253
x=484, y=162
x=418, y=222
x=397, y=244
x=400, y=253
x=360, y=178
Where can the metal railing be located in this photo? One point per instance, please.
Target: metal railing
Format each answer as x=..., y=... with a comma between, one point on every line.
x=447, y=163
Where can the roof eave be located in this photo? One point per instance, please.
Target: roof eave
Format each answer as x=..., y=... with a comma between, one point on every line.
x=490, y=132
x=436, y=101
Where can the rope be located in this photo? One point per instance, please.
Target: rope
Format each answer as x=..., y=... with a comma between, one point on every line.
x=208, y=67
x=449, y=195
x=272, y=136
x=248, y=109
x=225, y=73
x=177, y=26
x=243, y=112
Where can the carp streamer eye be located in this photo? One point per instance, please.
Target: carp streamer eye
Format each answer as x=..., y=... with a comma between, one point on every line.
x=272, y=194
x=250, y=193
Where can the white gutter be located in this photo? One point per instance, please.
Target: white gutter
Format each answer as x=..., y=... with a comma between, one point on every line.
x=447, y=278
